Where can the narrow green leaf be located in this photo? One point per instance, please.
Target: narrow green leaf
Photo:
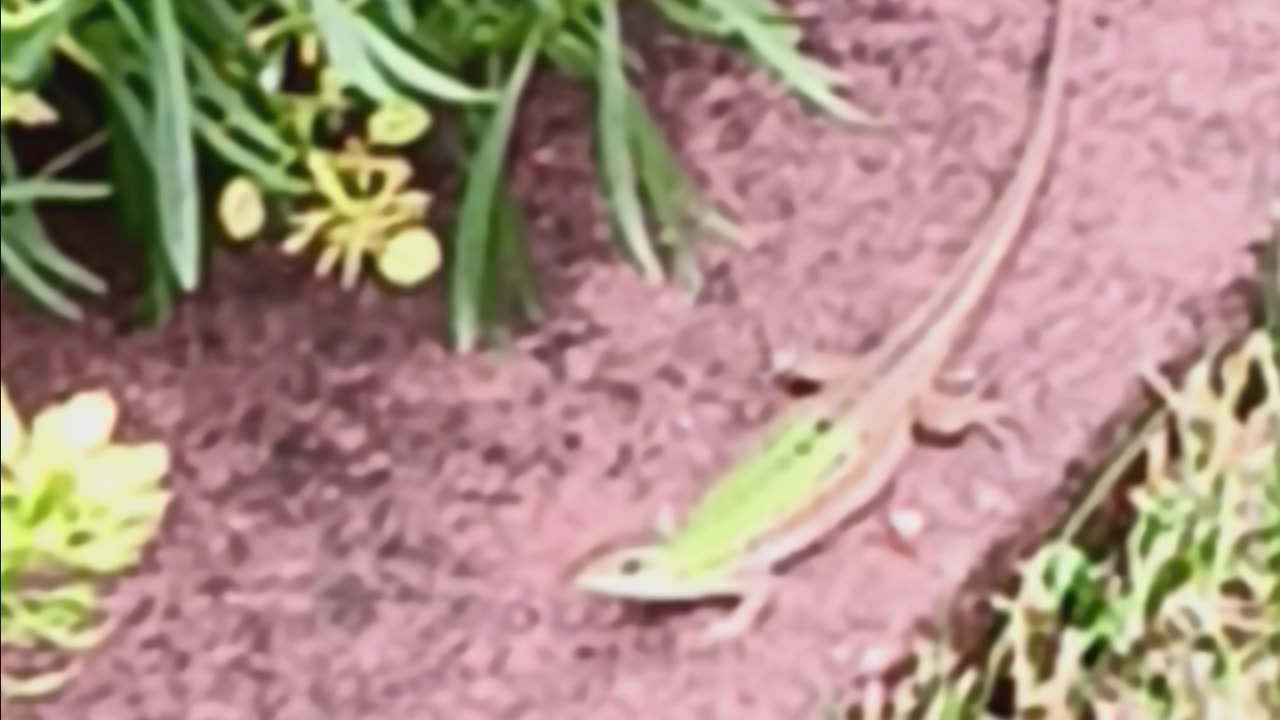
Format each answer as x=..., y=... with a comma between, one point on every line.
x=128, y=20
x=26, y=231
x=30, y=282
x=514, y=257
x=809, y=78
x=177, y=184
x=615, y=152
x=694, y=19
x=470, y=279
x=37, y=246
x=413, y=72
x=27, y=38
x=345, y=48
x=272, y=177
x=233, y=109
x=401, y=13
x=216, y=20
x=677, y=206
x=133, y=158
x=31, y=191
x=573, y=55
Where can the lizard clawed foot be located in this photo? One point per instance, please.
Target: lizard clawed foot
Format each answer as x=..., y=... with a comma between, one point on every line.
x=812, y=366
x=951, y=415
x=751, y=607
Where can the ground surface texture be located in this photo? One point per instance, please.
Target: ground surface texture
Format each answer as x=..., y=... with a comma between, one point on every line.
x=368, y=528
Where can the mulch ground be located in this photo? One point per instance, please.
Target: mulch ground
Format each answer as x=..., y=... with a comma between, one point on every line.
x=367, y=527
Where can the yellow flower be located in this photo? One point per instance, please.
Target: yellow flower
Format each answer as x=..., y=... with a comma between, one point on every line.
x=241, y=209
x=12, y=434
x=81, y=424
x=368, y=203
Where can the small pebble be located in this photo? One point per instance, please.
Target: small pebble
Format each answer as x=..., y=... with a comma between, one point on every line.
x=874, y=660
x=908, y=523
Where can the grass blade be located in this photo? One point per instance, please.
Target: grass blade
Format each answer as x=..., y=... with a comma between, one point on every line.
x=23, y=192
x=25, y=231
x=177, y=184
x=671, y=197
x=270, y=176
x=694, y=19
x=401, y=13
x=43, y=252
x=30, y=282
x=615, y=151
x=233, y=109
x=471, y=279
x=345, y=47
x=27, y=40
x=133, y=161
x=809, y=78
x=514, y=257
x=413, y=72
x=360, y=52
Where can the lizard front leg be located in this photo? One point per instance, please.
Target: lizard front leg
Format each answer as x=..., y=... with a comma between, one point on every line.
x=952, y=414
x=813, y=366
x=757, y=594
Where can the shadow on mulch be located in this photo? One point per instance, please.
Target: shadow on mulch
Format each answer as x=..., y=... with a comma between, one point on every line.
x=367, y=527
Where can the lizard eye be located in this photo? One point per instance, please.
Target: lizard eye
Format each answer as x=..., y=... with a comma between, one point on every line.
x=631, y=566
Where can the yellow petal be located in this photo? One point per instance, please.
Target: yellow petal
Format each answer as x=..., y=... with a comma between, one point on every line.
x=413, y=202
x=8, y=103
x=83, y=423
x=398, y=172
x=309, y=50
x=398, y=122
x=410, y=257
x=241, y=209
x=324, y=176
x=328, y=258
x=119, y=471
x=352, y=257
x=306, y=226
x=12, y=434
x=33, y=111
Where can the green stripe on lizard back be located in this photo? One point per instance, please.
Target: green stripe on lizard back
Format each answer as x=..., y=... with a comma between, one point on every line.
x=762, y=490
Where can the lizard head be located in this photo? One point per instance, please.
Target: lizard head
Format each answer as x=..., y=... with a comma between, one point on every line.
x=640, y=572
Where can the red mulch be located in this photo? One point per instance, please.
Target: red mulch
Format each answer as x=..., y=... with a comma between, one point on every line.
x=367, y=527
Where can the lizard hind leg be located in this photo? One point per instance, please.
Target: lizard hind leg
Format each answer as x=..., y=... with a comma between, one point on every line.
x=951, y=415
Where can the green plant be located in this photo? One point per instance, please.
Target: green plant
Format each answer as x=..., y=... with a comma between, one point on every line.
x=365, y=208
x=178, y=77
x=74, y=507
x=28, y=32
x=1182, y=622
x=249, y=93
x=639, y=170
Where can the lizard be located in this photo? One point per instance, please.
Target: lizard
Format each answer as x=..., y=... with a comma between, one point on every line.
x=834, y=451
